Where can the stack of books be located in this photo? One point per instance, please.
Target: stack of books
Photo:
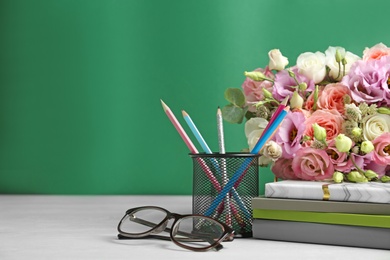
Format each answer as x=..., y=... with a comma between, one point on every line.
x=346, y=214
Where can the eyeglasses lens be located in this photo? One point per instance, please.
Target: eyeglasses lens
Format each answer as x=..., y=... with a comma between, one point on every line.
x=142, y=221
x=197, y=232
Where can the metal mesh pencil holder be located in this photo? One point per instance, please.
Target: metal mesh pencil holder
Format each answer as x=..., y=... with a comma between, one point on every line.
x=223, y=188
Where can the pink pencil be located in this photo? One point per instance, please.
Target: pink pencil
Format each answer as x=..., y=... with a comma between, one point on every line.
x=179, y=128
x=275, y=115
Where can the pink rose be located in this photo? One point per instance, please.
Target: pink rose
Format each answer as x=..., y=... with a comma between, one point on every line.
x=312, y=164
x=253, y=90
x=381, y=153
x=331, y=120
x=332, y=97
x=376, y=52
x=282, y=169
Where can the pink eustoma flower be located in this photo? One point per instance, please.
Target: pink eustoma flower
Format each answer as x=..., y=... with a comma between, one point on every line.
x=290, y=133
x=285, y=85
x=381, y=153
x=368, y=81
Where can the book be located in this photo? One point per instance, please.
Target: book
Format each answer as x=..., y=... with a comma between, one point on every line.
x=319, y=233
x=320, y=206
x=371, y=192
x=366, y=220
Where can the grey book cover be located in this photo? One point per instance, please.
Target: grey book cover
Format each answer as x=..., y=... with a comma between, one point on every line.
x=328, y=234
x=321, y=206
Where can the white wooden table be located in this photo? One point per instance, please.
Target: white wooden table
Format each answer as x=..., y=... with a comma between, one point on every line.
x=84, y=227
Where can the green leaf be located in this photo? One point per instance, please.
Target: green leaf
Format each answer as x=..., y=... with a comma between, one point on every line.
x=233, y=114
x=235, y=96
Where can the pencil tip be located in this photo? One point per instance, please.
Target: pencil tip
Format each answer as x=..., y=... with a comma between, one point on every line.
x=164, y=105
x=285, y=100
x=184, y=113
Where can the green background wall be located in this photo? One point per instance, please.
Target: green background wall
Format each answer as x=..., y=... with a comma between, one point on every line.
x=81, y=82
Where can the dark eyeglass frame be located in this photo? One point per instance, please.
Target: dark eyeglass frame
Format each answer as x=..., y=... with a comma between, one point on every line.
x=228, y=232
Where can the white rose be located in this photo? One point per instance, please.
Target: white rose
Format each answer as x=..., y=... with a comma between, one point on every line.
x=331, y=62
x=272, y=150
x=375, y=125
x=276, y=60
x=253, y=137
x=312, y=65
x=255, y=123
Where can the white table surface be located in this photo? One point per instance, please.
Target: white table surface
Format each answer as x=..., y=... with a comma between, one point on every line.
x=84, y=227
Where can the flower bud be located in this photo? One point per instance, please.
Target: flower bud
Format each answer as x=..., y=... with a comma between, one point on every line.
x=338, y=56
x=255, y=75
x=276, y=60
x=343, y=143
x=338, y=177
x=355, y=176
x=366, y=146
x=384, y=110
x=385, y=178
x=291, y=73
x=356, y=131
x=370, y=174
x=319, y=132
x=296, y=101
x=266, y=93
x=347, y=99
x=302, y=86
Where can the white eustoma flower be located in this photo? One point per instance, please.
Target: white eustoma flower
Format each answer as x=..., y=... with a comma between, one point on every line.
x=312, y=65
x=333, y=65
x=276, y=60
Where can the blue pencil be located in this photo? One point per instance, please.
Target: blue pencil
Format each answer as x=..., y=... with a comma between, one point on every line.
x=242, y=169
x=196, y=132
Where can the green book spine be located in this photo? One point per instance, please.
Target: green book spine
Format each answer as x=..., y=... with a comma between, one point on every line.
x=321, y=206
x=324, y=217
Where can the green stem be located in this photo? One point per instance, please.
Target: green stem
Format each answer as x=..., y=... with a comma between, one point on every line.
x=354, y=164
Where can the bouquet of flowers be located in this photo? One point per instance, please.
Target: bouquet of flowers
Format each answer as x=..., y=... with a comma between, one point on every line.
x=338, y=126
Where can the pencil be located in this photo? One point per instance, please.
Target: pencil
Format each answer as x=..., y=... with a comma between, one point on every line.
x=221, y=139
x=196, y=132
x=267, y=135
x=179, y=128
x=221, y=143
x=276, y=114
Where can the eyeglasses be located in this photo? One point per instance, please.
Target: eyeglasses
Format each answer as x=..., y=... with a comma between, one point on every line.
x=193, y=232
